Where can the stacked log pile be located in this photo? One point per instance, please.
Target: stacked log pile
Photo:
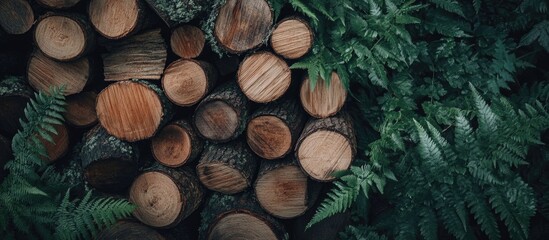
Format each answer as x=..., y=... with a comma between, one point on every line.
x=241, y=143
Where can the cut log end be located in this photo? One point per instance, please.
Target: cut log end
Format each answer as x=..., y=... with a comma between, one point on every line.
x=283, y=191
x=60, y=37
x=81, y=109
x=325, y=99
x=242, y=25
x=58, y=4
x=292, y=38
x=114, y=19
x=60, y=144
x=243, y=225
x=323, y=153
x=269, y=137
x=110, y=174
x=222, y=178
x=43, y=73
x=129, y=110
x=172, y=146
x=157, y=197
x=187, y=41
x=264, y=77
x=216, y=120
x=185, y=82
x=16, y=16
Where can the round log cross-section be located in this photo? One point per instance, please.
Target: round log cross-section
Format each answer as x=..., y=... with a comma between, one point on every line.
x=325, y=146
x=264, y=77
x=242, y=25
x=80, y=110
x=187, y=41
x=115, y=19
x=176, y=144
x=132, y=110
x=186, y=82
x=64, y=37
x=165, y=196
x=16, y=16
x=58, y=4
x=292, y=38
x=326, y=99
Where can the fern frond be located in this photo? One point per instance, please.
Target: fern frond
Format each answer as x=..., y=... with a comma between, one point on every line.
x=339, y=199
x=452, y=6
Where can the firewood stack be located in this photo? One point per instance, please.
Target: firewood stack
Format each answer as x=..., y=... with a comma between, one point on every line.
x=176, y=129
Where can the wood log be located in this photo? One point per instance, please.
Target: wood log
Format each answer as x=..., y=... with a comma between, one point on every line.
x=177, y=12
x=60, y=144
x=274, y=128
x=187, y=41
x=63, y=36
x=326, y=99
x=227, y=168
x=58, y=4
x=129, y=230
x=80, y=110
x=138, y=57
x=292, y=38
x=116, y=19
x=165, y=196
x=238, y=217
x=14, y=96
x=133, y=110
x=5, y=149
x=222, y=115
x=264, y=77
x=16, y=16
x=176, y=144
x=43, y=73
x=242, y=25
x=283, y=190
x=109, y=164
x=325, y=146
x=186, y=81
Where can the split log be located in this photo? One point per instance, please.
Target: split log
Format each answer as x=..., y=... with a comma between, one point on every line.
x=16, y=16
x=325, y=146
x=129, y=230
x=264, y=77
x=80, y=110
x=238, y=217
x=176, y=144
x=274, y=128
x=60, y=144
x=187, y=41
x=186, y=82
x=326, y=99
x=165, y=196
x=283, y=190
x=43, y=73
x=14, y=96
x=133, y=110
x=242, y=25
x=222, y=115
x=177, y=12
x=109, y=164
x=292, y=38
x=5, y=149
x=139, y=57
x=116, y=19
x=58, y=4
x=227, y=168
x=64, y=37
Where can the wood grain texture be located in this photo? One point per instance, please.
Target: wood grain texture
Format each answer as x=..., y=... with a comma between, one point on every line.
x=186, y=81
x=187, y=41
x=325, y=146
x=264, y=77
x=80, y=109
x=116, y=19
x=16, y=16
x=176, y=144
x=326, y=99
x=60, y=144
x=58, y=4
x=242, y=25
x=292, y=38
x=165, y=196
x=43, y=73
x=141, y=56
x=129, y=230
x=15, y=93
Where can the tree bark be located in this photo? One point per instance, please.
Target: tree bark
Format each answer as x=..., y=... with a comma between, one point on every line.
x=129, y=230
x=116, y=19
x=186, y=81
x=325, y=146
x=292, y=38
x=222, y=115
x=325, y=100
x=177, y=12
x=109, y=164
x=14, y=96
x=274, y=128
x=176, y=144
x=238, y=217
x=165, y=196
x=228, y=168
x=16, y=16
